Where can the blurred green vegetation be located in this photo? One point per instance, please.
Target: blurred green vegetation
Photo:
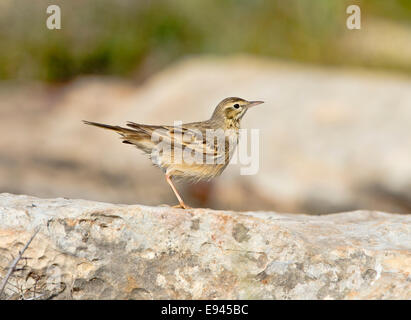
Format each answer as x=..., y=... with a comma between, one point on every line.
x=134, y=37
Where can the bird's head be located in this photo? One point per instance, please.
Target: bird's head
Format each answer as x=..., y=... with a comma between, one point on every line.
x=233, y=109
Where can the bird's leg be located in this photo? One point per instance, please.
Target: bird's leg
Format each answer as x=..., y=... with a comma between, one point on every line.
x=180, y=200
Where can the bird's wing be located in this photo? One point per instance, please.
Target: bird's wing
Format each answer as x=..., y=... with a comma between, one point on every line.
x=188, y=139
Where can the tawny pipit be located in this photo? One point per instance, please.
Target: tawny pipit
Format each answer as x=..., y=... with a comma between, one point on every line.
x=196, y=150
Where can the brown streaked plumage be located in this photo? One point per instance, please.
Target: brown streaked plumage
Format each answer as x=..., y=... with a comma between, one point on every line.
x=168, y=145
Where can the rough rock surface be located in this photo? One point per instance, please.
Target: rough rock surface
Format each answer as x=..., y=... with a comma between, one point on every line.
x=92, y=250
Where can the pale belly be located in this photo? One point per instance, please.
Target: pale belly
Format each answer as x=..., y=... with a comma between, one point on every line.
x=196, y=168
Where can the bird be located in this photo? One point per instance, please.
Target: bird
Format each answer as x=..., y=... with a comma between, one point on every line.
x=191, y=151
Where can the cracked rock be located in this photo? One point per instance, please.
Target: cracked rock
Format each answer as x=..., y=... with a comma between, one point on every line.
x=94, y=250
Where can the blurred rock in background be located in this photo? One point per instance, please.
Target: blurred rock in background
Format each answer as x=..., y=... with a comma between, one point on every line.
x=330, y=140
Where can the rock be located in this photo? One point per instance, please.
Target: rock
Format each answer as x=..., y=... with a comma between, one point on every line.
x=92, y=250
x=330, y=140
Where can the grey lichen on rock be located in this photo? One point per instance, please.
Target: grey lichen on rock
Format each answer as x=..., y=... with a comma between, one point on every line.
x=240, y=233
x=92, y=250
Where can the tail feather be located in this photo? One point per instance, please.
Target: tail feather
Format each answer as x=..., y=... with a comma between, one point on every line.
x=109, y=127
x=140, y=138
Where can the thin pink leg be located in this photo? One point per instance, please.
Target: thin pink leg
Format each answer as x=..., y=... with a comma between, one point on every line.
x=180, y=200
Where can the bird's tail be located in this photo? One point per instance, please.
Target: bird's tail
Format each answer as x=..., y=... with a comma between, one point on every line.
x=118, y=129
x=138, y=137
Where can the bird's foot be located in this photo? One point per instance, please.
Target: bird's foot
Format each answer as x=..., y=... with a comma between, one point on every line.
x=178, y=206
x=182, y=206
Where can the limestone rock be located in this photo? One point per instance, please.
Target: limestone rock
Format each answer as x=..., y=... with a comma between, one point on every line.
x=92, y=250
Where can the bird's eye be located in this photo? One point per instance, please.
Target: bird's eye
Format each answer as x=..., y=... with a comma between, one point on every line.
x=236, y=106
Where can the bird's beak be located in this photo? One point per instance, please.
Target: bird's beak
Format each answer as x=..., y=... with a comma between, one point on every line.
x=254, y=103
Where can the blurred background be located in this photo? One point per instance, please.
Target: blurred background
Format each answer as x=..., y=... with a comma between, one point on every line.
x=335, y=131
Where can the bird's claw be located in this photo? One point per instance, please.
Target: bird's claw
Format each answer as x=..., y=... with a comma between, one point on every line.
x=182, y=206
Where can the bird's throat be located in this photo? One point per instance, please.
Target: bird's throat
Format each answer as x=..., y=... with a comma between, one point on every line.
x=232, y=124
